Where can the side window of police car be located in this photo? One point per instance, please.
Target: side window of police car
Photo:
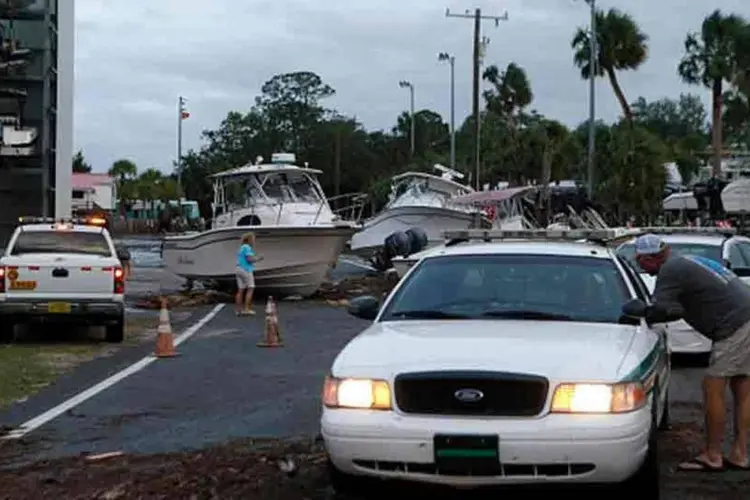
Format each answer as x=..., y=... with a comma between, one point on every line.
x=640, y=289
x=744, y=249
x=735, y=256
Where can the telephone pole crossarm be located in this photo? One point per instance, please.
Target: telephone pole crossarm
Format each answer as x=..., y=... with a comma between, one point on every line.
x=477, y=17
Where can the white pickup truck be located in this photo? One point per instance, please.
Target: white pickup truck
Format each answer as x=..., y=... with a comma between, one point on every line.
x=61, y=272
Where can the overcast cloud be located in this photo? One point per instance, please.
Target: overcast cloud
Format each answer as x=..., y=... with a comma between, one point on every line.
x=134, y=57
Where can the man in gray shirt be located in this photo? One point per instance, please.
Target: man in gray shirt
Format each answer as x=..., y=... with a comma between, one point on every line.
x=716, y=303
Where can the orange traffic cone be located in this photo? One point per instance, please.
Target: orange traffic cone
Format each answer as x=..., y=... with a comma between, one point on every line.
x=272, y=336
x=164, y=339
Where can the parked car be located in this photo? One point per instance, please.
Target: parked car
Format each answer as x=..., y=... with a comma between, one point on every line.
x=506, y=362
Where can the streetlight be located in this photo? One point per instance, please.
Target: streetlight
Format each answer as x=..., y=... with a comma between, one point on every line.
x=405, y=84
x=444, y=56
x=592, y=101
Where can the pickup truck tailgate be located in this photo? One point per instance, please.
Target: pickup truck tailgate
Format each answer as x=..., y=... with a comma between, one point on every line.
x=42, y=274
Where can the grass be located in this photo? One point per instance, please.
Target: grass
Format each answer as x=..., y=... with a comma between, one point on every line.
x=28, y=366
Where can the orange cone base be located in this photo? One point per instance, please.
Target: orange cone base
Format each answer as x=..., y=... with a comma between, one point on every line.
x=269, y=344
x=165, y=347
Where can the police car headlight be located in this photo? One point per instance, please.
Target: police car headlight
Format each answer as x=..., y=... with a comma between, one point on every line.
x=598, y=398
x=358, y=393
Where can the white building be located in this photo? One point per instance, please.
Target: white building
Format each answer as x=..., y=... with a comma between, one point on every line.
x=90, y=191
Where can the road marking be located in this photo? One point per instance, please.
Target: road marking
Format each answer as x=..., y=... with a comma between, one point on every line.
x=79, y=398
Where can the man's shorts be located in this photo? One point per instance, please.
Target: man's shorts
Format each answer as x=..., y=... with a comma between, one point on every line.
x=731, y=357
x=245, y=279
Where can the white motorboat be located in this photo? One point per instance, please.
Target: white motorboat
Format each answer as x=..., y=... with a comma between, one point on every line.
x=297, y=233
x=503, y=207
x=422, y=200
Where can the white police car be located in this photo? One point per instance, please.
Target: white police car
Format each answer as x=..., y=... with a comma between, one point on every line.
x=719, y=244
x=501, y=363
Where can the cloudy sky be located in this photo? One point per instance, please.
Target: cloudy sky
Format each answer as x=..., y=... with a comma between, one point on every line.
x=134, y=57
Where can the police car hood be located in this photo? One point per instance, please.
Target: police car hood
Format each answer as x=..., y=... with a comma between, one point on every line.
x=554, y=349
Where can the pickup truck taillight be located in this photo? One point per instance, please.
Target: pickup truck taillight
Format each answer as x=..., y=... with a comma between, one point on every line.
x=119, y=280
x=2, y=279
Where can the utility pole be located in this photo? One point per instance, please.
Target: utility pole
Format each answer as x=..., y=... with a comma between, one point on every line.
x=444, y=56
x=478, y=17
x=408, y=85
x=182, y=114
x=593, y=49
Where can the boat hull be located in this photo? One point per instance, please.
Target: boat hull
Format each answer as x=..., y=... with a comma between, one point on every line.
x=736, y=196
x=434, y=221
x=296, y=259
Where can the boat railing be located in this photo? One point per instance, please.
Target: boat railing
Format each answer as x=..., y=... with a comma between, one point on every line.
x=349, y=206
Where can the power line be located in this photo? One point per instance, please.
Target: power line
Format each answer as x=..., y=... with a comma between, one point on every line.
x=478, y=17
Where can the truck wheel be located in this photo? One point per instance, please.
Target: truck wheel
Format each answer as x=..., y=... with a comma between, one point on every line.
x=116, y=331
x=7, y=331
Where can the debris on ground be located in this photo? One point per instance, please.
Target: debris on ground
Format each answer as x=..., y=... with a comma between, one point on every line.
x=355, y=286
x=335, y=293
x=186, y=299
x=280, y=470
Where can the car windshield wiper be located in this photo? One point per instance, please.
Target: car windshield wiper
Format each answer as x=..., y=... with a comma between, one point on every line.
x=527, y=314
x=428, y=314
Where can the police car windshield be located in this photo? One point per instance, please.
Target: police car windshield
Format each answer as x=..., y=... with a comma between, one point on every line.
x=30, y=242
x=713, y=252
x=533, y=287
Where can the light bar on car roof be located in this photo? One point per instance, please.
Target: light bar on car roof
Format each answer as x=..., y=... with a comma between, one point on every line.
x=92, y=221
x=533, y=234
x=688, y=230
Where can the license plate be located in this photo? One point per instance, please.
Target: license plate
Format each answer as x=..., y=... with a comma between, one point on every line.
x=58, y=307
x=467, y=454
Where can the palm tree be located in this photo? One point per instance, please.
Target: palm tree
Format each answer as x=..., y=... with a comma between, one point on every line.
x=148, y=188
x=621, y=45
x=709, y=60
x=511, y=91
x=124, y=172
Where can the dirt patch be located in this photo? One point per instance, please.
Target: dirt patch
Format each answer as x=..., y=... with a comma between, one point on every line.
x=282, y=470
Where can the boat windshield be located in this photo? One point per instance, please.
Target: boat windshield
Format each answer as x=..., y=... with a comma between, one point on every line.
x=291, y=187
x=421, y=191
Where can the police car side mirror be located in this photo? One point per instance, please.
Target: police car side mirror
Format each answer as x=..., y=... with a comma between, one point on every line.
x=364, y=307
x=634, y=308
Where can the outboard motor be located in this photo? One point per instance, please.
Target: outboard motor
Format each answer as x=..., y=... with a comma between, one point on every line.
x=398, y=243
x=417, y=240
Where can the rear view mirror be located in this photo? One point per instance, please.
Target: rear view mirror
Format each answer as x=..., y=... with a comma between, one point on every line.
x=634, y=308
x=366, y=307
x=122, y=254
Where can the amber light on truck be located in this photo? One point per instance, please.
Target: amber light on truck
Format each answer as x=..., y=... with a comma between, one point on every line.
x=119, y=280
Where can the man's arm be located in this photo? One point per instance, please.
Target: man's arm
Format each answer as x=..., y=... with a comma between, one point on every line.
x=666, y=305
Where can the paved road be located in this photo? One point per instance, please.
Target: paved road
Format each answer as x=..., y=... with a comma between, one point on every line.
x=221, y=386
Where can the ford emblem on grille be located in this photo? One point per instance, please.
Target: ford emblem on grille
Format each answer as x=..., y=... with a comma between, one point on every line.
x=468, y=395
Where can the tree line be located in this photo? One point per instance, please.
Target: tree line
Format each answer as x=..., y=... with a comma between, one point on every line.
x=518, y=144
x=148, y=186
